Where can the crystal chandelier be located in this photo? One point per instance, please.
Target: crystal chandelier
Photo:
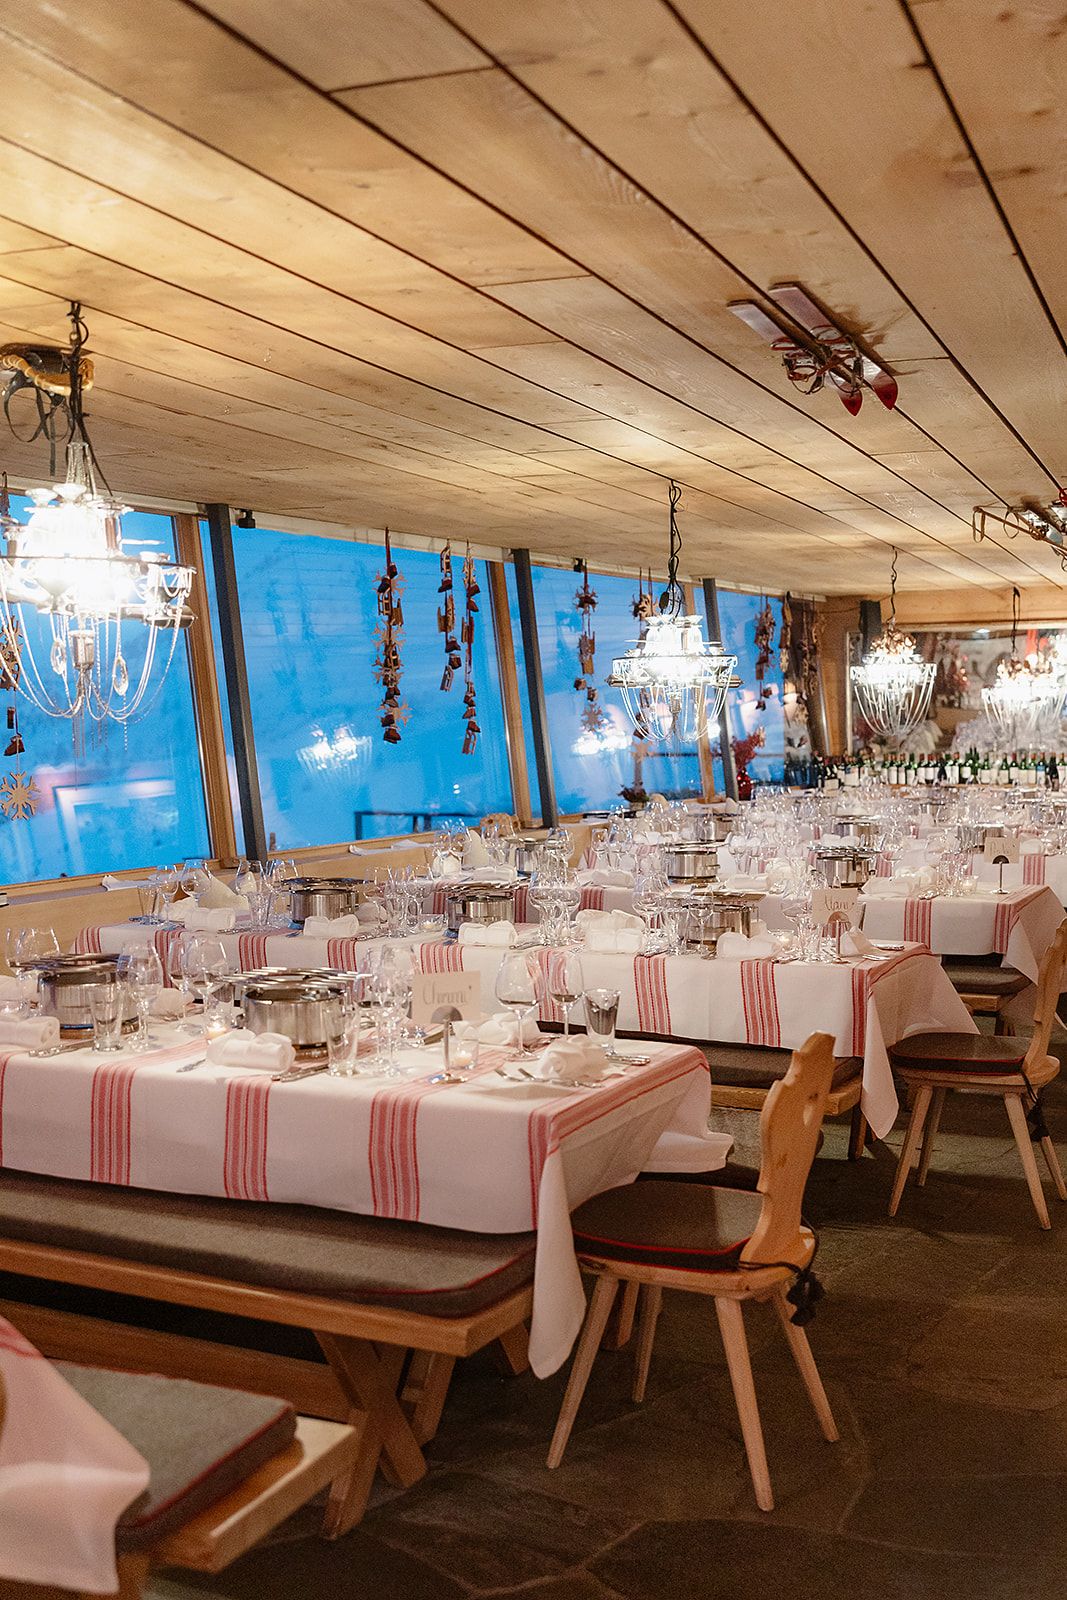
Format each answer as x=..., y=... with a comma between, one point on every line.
x=1027, y=693
x=673, y=684
x=893, y=684
x=70, y=590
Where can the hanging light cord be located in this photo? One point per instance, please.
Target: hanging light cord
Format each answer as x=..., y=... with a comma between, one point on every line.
x=893, y=592
x=79, y=333
x=1015, y=599
x=672, y=599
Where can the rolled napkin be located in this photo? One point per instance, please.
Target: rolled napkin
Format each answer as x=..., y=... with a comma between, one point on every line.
x=200, y=919
x=568, y=1059
x=217, y=896
x=169, y=1004
x=606, y=878
x=348, y=927
x=501, y=1028
x=31, y=1033
x=488, y=933
x=735, y=947
x=474, y=852
x=492, y=873
x=615, y=941
x=268, y=1052
x=605, y=921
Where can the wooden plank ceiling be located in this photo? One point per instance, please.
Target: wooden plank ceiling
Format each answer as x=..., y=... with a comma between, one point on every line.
x=463, y=268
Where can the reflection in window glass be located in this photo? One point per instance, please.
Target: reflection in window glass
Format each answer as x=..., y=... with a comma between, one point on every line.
x=309, y=612
x=737, y=614
x=216, y=640
x=134, y=798
x=524, y=693
x=592, y=769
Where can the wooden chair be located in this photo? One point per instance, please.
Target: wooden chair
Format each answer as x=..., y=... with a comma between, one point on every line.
x=934, y=1064
x=729, y=1244
x=221, y=1478
x=985, y=986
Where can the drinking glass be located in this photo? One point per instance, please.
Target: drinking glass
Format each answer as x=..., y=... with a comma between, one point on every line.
x=565, y=984
x=342, y=1034
x=143, y=971
x=601, y=1015
x=516, y=990
x=207, y=971
x=148, y=900
x=31, y=946
x=106, y=1008
x=175, y=963
x=166, y=881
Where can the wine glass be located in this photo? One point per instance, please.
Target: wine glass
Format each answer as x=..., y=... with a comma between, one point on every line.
x=565, y=984
x=166, y=881
x=517, y=992
x=33, y=944
x=144, y=977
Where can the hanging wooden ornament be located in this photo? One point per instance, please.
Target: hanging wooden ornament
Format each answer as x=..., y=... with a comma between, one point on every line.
x=470, y=709
x=19, y=794
x=764, y=641
x=393, y=712
x=446, y=620
x=644, y=609
x=593, y=717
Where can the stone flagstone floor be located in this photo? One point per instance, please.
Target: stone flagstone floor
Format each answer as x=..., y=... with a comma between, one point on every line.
x=943, y=1344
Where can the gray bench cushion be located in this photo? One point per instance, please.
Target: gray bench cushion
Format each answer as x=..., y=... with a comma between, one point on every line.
x=442, y=1272
x=200, y=1442
x=983, y=975
x=750, y=1066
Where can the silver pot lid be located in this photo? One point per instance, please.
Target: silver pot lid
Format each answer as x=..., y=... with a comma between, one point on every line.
x=284, y=991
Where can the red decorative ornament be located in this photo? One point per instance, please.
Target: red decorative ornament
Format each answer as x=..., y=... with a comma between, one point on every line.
x=470, y=710
x=764, y=641
x=446, y=620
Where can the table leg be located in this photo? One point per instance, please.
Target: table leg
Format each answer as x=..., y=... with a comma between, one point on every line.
x=369, y=1384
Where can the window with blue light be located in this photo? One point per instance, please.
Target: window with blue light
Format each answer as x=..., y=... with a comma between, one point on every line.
x=592, y=769
x=782, y=722
x=309, y=614
x=134, y=796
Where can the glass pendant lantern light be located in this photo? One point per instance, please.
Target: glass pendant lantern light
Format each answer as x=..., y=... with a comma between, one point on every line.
x=1027, y=694
x=70, y=590
x=893, y=684
x=673, y=682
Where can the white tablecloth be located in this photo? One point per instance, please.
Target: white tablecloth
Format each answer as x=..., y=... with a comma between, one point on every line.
x=865, y=1005
x=66, y=1476
x=488, y=1155
x=1019, y=925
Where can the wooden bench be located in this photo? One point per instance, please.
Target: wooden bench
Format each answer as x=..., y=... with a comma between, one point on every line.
x=742, y=1076
x=391, y=1304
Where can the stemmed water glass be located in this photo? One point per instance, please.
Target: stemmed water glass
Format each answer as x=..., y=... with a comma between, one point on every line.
x=516, y=989
x=33, y=944
x=565, y=984
x=389, y=982
x=143, y=971
x=166, y=882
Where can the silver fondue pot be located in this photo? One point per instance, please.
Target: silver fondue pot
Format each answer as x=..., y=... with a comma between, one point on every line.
x=324, y=897
x=482, y=902
x=844, y=867
x=308, y=1011
x=242, y=981
x=868, y=830
x=691, y=862
x=65, y=984
x=709, y=916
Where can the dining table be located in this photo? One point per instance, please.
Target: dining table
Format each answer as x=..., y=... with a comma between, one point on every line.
x=492, y=1153
x=776, y=1002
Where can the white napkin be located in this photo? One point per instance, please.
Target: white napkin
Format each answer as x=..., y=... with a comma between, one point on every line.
x=269, y=1052
x=9, y=989
x=474, y=852
x=349, y=927
x=488, y=933
x=606, y=921
x=32, y=1033
x=504, y=873
x=501, y=1028
x=109, y=881
x=168, y=1004
x=446, y=866
x=607, y=878
x=615, y=941
x=216, y=896
x=67, y=1476
x=567, y=1059
x=854, y=942
x=884, y=888
x=198, y=919
x=739, y=882
x=735, y=947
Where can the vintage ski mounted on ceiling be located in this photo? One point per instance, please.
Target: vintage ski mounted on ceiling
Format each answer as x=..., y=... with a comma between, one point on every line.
x=815, y=349
x=1044, y=521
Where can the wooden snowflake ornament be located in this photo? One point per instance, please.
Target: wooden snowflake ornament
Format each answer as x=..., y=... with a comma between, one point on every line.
x=18, y=795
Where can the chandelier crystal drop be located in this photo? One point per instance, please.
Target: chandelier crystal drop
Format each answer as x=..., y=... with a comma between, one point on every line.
x=674, y=683
x=72, y=594
x=1027, y=694
x=893, y=684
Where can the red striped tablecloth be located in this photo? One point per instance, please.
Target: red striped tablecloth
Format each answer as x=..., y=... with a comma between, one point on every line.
x=488, y=1154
